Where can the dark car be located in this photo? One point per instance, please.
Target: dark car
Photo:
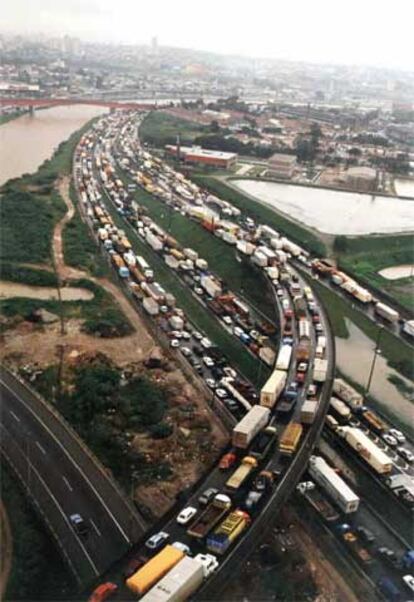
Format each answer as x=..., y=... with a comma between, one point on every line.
x=79, y=524
x=366, y=535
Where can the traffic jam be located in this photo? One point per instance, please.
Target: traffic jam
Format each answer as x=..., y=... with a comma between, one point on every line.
x=268, y=424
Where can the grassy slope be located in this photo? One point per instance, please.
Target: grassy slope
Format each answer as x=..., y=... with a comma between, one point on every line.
x=234, y=350
x=242, y=277
x=160, y=128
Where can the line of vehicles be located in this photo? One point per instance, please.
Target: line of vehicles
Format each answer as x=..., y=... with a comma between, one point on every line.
x=266, y=434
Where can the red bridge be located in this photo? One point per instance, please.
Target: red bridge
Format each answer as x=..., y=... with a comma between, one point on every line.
x=52, y=102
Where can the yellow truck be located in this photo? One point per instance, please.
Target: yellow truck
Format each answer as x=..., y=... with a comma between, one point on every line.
x=153, y=570
x=290, y=438
x=239, y=476
x=228, y=531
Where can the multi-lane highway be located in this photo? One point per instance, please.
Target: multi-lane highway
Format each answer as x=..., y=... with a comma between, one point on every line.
x=63, y=478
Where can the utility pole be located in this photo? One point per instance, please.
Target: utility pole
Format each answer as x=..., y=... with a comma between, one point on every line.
x=374, y=359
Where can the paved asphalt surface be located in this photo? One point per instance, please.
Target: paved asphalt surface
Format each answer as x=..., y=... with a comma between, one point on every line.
x=63, y=479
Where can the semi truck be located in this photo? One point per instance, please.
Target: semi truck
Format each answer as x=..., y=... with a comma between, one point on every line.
x=386, y=312
x=347, y=393
x=249, y=426
x=179, y=583
x=308, y=411
x=209, y=518
x=228, y=531
x=333, y=484
x=318, y=501
x=239, y=476
x=374, y=421
x=290, y=438
x=273, y=388
x=366, y=449
x=152, y=571
x=284, y=357
x=320, y=369
x=340, y=409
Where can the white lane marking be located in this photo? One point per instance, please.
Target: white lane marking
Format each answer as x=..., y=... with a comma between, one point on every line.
x=14, y=416
x=68, y=485
x=65, y=518
x=41, y=448
x=65, y=451
x=96, y=528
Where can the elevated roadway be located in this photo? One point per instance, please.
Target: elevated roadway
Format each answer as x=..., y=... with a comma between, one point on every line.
x=62, y=478
x=54, y=102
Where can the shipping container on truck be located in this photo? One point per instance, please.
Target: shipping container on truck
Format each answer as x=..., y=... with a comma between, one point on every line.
x=272, y=388
x=179, y=583
x=366, y=449
x=154, y=569
x=340, y=409
x=210, y=517
x=228, y=531
x=284, y=357
x=386, y=312
x=308, y=411
x=268, y=355
x=263, y=442
x=117, y=261
x=290, y=438
x=299, y=304
x=239, y=476
x=250, y=425
x=142, y=264
x=320, y=369
x=347, y=393
x=304, y=329
x=302, y=351
x=374, y=421
x=333, y=484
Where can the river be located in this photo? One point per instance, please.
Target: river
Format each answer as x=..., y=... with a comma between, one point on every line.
x=333, y=211
x=27, y=141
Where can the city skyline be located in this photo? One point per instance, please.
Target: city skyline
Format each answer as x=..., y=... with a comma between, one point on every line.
x=317, y=34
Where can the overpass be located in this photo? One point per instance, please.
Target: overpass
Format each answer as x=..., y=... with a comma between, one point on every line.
x=54, y=102
x=62, y=478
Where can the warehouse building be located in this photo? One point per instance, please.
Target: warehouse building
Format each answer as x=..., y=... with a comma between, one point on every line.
x=281, y=166
x=198, y=155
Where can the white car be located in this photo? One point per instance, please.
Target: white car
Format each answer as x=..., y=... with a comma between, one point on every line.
x=199, y=291
x=409, y=581
x=156, y=541
x=227, y=320
x=221, y=393
x=209, y=562
x=174, y=343
x=228, y=371
x=397, y=435
x=211, y=383
x=185, y=334
x=238, y=331
x=197, y=335
x=390, y=440
x=177, y=334
x=186, y=351
x=206, y=343
x=406, y=454
x=186, y=515
x=182, y=547
x=279, y=292
x=208, y=361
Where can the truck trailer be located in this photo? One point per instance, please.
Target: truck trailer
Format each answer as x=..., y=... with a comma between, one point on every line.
x=239, y=476
x=209, y=518
x=333, y=484
x=152, y=571
x=250, y=425
x=273, y=388
x=366, y=449
x=290, y=438
x=179, y=583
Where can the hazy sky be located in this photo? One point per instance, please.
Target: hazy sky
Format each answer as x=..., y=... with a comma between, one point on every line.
x=375, y=32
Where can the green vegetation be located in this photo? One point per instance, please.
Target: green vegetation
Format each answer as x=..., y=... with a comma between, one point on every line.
x=240, y=276
x=397, y=352
x=237, y=354
x=10, y=116
x=103, y=411
x=37, y=570
x=16, y=273
x=79, y=248
x=159, y=129
x=365, y=256
x=261, y=213
x=27, y=225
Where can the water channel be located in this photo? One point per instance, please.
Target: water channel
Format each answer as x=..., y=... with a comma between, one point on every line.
x=333, y=211
x=29, y=140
